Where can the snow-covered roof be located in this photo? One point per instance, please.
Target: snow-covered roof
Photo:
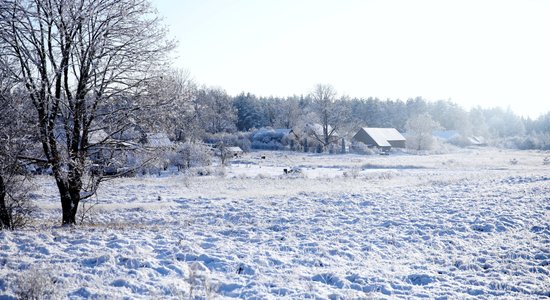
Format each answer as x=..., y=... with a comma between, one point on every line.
x=158, y=140
x=477, y=140
x=234, y=149
x=382, y=136
x=97, y=136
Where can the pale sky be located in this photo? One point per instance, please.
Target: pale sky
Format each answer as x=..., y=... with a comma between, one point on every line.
x=483, y=52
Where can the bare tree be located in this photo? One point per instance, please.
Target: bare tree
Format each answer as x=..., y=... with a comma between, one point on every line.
x=288, y=113
x=332, y=114
x=83, y=65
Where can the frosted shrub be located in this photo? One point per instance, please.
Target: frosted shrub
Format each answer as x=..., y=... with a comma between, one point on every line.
x=200, y=284
x=220, y=171
x=352, y=173
x=540, y=141
x=271, y=139
x=36, y=284
x=203, y=171
x=190, y=155
x=361, y=148
x=262, y=176
x=87, y=212
x=17, y=211
x=460, y=141
x=270, y=145
x=237, y=139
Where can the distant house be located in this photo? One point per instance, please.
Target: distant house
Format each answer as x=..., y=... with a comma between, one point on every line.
x=102, y=146
x=383, y=138
x=454, y=137
x=158, y=140
x=226, y=153
x=234, y=151
x=477, y=141
x=109, y=155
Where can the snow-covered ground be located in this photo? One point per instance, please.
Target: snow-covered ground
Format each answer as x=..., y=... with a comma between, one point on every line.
x=460, y=225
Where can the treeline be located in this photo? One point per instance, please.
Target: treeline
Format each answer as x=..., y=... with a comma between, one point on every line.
x=221, y=113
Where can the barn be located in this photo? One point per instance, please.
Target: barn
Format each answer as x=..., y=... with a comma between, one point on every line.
x=384, y=138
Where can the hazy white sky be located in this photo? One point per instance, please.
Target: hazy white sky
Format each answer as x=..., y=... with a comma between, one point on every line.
x=482, y=52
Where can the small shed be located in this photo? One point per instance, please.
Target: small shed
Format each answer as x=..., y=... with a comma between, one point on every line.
x=384, y=138
x=234, y=151
x=477, y=141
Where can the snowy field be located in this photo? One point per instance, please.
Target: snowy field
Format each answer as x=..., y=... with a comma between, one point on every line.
x=469, y=224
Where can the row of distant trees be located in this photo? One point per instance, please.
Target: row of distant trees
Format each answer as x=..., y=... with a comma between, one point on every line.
x=214, y=112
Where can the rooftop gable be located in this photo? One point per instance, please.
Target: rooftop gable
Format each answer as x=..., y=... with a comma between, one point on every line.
x=382, y=136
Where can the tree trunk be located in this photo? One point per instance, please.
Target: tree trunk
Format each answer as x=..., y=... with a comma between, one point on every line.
x=70, y=198
x=5, y=219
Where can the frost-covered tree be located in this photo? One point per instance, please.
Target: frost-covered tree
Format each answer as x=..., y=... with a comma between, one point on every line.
x=419, y=129
x=416, y=107
x=172, y=96
x=450, y=116
x=216, y=112
x=478, y=123
x=288, y=113
x=83, y=65
x=15, y=143
x=504, y=123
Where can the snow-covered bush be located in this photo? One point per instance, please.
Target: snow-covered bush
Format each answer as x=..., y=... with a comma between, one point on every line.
x=237, y=139
x=16, y=209
x=202, y=171
x=36, y=284
x=532, y=141
x=460, y=141
x=539, y=141
x=219, y=171
x=200, y=284
x=189, y=155
x=271, y=145
x=87, y=212
x=419, y=132
x=273, y=139
x=352, y=173
x=361, y=148
x=152, y=162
